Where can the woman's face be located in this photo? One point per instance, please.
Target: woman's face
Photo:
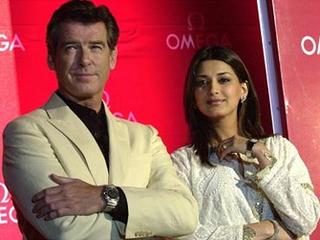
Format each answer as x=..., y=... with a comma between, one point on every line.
x=218, y=90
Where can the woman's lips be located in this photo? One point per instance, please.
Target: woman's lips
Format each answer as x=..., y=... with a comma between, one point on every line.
x=215, y=102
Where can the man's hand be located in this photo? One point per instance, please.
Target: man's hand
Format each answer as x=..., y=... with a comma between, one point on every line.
x=70, y=197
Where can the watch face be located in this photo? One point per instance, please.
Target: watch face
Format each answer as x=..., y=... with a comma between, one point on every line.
x=113, y=193
x=110, y=196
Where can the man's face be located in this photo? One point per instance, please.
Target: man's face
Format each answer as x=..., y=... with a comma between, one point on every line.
x=83, y=60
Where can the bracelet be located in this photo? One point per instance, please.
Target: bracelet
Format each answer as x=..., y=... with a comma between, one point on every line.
x=248, y=233
x=249, y=145
x=275, y=235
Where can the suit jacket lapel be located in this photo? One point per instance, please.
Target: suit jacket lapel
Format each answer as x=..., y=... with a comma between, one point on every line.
x=118, y=149
x=63, y=118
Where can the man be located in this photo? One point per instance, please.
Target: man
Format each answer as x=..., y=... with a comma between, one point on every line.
x=74, y=170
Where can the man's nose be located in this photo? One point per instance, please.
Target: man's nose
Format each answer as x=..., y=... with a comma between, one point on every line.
x=85, y=57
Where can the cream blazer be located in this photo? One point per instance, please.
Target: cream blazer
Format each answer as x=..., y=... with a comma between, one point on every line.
x=53, y=139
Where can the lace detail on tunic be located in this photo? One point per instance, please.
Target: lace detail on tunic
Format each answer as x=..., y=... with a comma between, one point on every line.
x=230, y=196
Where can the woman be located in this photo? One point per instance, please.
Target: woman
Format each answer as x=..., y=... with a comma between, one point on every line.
x=248, y=186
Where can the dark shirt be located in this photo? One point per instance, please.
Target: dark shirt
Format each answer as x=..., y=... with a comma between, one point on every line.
x=98, y=127
x=95, y=122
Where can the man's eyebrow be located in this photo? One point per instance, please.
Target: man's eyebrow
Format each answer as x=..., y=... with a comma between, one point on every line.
x=76, y=42
x=98, y=42
x=68, y=42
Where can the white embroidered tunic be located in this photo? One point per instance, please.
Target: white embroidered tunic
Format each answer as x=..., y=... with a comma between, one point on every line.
x=231, y=194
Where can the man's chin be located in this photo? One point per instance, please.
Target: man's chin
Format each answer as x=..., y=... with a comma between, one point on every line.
x=81, y=95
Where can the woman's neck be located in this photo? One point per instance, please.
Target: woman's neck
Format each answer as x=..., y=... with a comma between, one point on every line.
x=224, y=130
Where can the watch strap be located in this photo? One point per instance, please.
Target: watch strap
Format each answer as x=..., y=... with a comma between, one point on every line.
x=249, y=146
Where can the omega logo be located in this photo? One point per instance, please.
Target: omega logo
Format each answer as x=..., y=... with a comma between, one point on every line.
x=130, y=116
x=6, y=212
x=196, y=21
x=197, y=37
x=10, y=44
x=310, y=45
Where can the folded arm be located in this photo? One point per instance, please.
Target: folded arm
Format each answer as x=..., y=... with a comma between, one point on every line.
x=29, y=160
x=166, y=207
x=288, y=186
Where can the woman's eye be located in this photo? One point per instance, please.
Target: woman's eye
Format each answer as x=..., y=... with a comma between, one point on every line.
x=202, y=83
x=224, y=80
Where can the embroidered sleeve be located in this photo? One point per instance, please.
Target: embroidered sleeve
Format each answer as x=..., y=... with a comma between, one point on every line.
x=259, y=175
x=236, y=232
x=287, y=184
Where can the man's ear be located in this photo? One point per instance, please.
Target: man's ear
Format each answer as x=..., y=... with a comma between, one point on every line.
x=113, y=58
x=50, y=62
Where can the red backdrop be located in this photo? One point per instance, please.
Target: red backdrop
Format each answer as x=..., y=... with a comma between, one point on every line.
x=157, y=40
x=298, y=44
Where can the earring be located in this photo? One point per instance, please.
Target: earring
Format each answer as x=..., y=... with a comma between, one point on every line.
x=243, y=98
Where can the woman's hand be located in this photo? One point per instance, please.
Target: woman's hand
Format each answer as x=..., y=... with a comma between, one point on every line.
x=235, y=144
x=238, y=144
x=265, y=229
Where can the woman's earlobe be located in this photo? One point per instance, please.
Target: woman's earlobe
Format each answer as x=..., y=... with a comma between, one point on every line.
x=243, y=98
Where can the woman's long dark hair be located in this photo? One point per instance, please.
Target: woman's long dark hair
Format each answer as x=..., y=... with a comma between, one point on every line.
x=201, y=131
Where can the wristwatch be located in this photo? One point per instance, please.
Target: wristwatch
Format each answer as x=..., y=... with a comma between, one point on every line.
x=250, y=143
x=110, y=195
